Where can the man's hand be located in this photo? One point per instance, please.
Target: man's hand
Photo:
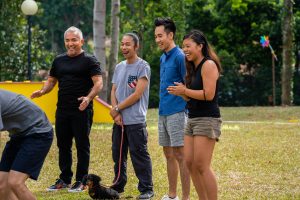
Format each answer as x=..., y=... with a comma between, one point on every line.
x=85, y=102
x=37, y=94
x=118, y=119
x=113, y=112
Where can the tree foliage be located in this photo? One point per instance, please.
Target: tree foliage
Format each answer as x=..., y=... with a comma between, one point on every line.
x=14, y=39
x=58, y=15
x=233, y=28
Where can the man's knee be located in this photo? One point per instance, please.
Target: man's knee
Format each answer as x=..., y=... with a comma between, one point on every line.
x=16, y=181
x=3, y=186
x=169, y=154
x=16, y=186
x=3, y=181
x=179, y=154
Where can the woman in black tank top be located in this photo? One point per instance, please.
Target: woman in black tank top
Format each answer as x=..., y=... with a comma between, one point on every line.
x=203, y=126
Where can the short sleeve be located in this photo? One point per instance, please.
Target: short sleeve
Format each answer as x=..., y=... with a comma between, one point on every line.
x=144, y=71
x=118, y=68
x=53, y=70
x=95, y=68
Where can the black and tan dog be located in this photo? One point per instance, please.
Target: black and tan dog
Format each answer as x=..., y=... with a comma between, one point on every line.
x=98, y=191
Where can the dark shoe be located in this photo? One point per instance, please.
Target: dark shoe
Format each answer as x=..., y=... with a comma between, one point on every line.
x=58, y=185
x=120, y=191
x=77, y=187
x=146, y=195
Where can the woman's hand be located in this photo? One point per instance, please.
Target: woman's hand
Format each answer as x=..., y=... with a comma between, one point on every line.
x=178, y=89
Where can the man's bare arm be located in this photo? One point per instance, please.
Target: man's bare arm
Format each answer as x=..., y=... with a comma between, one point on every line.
x=47, y=87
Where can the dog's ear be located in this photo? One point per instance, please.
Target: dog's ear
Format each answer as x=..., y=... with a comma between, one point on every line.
x=96, y=178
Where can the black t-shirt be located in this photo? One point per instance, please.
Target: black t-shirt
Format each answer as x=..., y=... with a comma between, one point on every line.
x=201, y=108
x=74, y=78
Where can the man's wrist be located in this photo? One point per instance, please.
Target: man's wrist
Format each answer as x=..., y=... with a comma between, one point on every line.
x=42, y=91
x=116, y=108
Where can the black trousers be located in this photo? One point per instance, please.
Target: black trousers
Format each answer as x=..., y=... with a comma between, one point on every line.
x=73, y=124
x=135, y=139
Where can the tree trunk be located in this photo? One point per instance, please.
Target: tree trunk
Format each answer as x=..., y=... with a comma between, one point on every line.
x=99, y=42
x=142, y=29
x=287, y=49
x=115, y=29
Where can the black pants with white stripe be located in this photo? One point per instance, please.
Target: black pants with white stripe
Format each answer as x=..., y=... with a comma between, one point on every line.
x=135, y=140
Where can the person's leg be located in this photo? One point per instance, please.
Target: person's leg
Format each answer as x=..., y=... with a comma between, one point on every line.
x=8, y=156
x=119, y=141
x=64, y=137
x=16, y=181
x=172, y=165
x=184, y=172
x=81, y=127
x=175, y=127
x=3, y=185
x=5, y=192
x=172, y=171
x=202, y=160
x=189, y=159
x=141, y=161
x=28, y=163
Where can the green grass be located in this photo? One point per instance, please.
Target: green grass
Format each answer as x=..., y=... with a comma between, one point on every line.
x=258, y=160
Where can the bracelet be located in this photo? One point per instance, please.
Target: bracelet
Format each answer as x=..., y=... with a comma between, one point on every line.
x=116, y=108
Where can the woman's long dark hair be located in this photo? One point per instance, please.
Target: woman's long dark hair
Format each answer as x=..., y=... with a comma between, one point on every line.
x=199, y=38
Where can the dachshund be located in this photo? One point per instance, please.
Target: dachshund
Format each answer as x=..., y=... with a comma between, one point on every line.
x=98, y=191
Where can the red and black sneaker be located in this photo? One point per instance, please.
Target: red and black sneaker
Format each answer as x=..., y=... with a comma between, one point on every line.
x=77, y=187
x=59, y=184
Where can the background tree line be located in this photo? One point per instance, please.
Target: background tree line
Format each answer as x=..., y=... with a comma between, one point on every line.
x=233, y=27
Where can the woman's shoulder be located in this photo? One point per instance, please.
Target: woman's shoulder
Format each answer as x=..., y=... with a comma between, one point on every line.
x=209, y=65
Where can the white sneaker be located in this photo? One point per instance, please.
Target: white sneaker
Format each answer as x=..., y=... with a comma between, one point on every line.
x=166, y=197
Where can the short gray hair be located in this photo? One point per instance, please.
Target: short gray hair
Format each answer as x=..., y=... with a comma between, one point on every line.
x=75, y=30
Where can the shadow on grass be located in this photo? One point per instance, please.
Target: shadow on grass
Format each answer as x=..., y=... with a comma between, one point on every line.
x=62, y=195
x=65, y=195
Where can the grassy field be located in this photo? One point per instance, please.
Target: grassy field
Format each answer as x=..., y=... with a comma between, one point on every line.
x=258, y=157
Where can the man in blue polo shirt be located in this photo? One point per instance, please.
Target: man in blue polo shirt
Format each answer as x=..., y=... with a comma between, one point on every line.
x=171, y=108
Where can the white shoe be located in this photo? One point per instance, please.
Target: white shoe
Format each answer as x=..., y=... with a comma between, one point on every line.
x=166, y=197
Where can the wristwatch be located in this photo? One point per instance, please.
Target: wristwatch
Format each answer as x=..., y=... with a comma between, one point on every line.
x=116, y=108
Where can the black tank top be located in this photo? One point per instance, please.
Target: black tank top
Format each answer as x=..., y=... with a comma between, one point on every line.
x=201, y=108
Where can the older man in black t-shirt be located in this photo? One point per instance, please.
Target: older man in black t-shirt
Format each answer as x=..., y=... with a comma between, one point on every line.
x=79, y=80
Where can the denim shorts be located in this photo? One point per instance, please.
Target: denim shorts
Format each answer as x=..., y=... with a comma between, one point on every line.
x=204, y=126
x=171, y=130
x=26, y=154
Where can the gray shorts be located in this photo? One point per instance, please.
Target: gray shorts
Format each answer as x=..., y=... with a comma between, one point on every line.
x=205, y=126
x=171, y=130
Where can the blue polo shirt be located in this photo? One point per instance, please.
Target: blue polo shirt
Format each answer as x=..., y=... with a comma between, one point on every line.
x=172, y=69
